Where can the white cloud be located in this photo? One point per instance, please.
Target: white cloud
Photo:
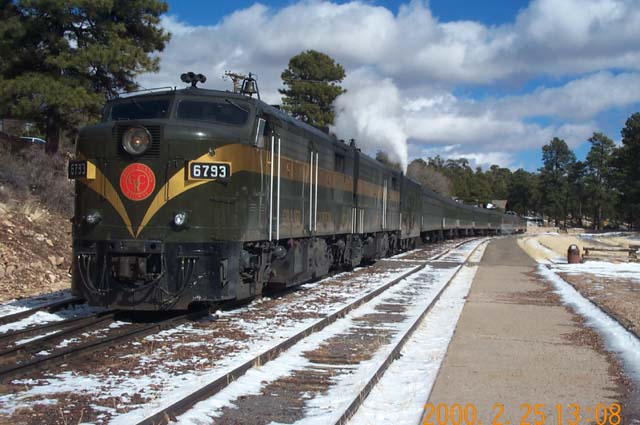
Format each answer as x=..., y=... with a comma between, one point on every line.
x=403, y=69
x=582, y=98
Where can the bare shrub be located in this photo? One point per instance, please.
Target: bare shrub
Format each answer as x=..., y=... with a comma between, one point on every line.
x=429, y=177
x=31, y=171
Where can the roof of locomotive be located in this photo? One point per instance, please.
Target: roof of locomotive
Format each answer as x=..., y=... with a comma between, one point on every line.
x=258, y=104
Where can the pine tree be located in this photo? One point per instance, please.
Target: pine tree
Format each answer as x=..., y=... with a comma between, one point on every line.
x=522, y=192
x=598, y=178
x=577, y=191
x=557, y=159
x=62, y=58
x=312, y=79
x=628, y=164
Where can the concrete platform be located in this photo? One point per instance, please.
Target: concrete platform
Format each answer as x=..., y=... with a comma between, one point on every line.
x=515, y=343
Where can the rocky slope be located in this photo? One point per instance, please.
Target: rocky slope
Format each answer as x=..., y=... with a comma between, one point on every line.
x=35, y=250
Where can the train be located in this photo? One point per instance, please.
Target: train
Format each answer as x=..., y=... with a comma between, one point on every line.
x=190, y=197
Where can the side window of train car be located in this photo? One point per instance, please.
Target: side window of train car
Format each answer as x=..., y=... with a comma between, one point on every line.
x=262, y=130
x=339, y=163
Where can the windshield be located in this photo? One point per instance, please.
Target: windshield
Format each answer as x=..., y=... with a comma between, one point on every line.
x=225, y=112
x=138, y=109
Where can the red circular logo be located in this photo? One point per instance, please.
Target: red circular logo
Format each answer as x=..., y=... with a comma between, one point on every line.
x=137, y=181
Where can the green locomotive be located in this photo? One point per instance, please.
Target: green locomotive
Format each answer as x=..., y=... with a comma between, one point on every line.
x=191, y=197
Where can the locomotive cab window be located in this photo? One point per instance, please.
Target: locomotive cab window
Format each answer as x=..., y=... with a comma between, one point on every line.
x=231, y=112
x=139, y=109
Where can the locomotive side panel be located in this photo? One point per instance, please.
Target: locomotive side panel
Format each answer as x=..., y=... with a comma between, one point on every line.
x=411, y=208
x=432, y=212
x=291, y=185
x=378, y=196
x=466, y=217
x=451, y=215
x=369, y=195
x=341, y=184
x=393, y=180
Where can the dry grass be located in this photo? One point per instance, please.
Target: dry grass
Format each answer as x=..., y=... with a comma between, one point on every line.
x=38, y=179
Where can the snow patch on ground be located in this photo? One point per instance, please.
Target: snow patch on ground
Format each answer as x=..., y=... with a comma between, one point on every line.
x=37, y=318
x=616, y=337
x=41, y=317
x=28, y=340
x=16, y=306
x=477, y=255
x=603, y=269
x=539, y=252
x=604, y=235
x=459, y=254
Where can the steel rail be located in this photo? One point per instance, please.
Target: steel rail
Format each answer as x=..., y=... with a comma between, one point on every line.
x=395, y=352
x=37, y=328
x=66, y=327
x=92, y=346
x=49, y=308
x=169, y=413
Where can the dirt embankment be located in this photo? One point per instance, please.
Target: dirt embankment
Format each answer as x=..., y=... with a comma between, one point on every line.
x=35, y=231
x=35, y=249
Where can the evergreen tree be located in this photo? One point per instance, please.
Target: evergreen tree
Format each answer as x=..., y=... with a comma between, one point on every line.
x=498, y=181
x=521, y=192
x=577, y=193
x=312, y=85
x=481, y=190
x=628, y=164
x=557, y=159
x=599, y=179
x=62, y=58
x=461, y=175
x=437, y=162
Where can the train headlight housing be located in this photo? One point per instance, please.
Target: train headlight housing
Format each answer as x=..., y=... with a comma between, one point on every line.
x=180, y=219
x=136, y=140
x=93, y=218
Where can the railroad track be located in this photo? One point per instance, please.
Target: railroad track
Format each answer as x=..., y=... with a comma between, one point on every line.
x=49, y=308
x=23, y=340
x=338, y=354
x=21, y=359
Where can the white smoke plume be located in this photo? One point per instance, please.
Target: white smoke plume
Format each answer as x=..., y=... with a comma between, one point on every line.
x=371, y=112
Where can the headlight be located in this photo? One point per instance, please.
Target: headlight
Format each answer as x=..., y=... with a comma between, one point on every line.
x=93, y=218
x=136, y=140
x=179, y=219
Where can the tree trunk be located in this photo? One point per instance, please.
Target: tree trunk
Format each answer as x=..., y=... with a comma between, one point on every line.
x=580, y=224
x=52, y=131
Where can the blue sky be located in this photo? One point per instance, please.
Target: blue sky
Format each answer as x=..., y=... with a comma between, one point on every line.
x=491, y=12
x=490, y=80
